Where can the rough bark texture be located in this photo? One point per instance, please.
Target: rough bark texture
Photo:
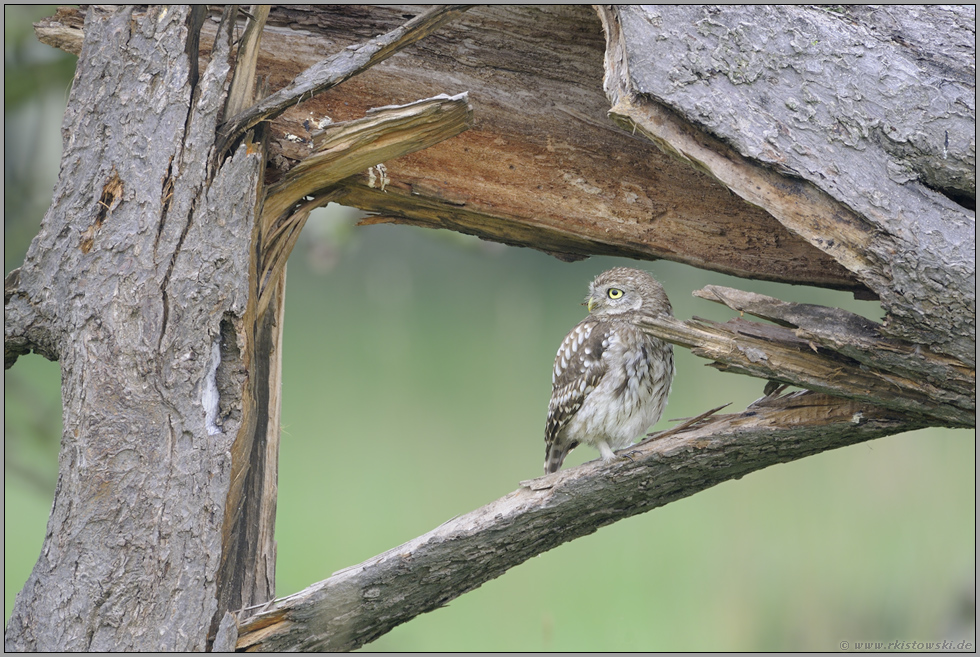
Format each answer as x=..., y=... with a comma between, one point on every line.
x=139, y=282
x=845, y=102
x=830, y=148
x=829, y=351
x=148, y=281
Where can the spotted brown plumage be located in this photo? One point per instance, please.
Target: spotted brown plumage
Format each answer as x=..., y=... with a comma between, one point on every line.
x=611, y=380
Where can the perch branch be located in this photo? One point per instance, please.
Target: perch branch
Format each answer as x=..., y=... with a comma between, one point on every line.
x=337, y=68
x=358, y=604
x=344, y=149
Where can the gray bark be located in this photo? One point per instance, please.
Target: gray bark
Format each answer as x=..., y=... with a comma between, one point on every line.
x=157, y=277
x=158, y=281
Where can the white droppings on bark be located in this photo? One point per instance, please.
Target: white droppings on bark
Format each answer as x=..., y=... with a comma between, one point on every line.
x=209, y=395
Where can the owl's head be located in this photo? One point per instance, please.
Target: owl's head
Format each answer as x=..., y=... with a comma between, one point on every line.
x=624, y=290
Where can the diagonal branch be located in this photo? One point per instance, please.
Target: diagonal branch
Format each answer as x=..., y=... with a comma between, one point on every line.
x=337, y=68
x=358, y=604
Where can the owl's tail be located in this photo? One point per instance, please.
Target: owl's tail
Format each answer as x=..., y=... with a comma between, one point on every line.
x=555, y=453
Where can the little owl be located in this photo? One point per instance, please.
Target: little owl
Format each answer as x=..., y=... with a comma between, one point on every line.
x=611, y=380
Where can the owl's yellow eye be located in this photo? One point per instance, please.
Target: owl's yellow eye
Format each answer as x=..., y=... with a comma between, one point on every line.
x=614, y=293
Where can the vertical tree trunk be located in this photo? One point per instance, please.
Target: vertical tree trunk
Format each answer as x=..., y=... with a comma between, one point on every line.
x=142, y=283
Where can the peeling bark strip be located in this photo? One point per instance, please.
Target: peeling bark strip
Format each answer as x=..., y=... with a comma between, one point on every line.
x=342, y=150
x=358, y=604
x=110, y=195
x=241, y=94
x=342, y=66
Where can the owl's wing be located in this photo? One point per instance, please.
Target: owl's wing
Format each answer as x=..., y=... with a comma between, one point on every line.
x=579, y=367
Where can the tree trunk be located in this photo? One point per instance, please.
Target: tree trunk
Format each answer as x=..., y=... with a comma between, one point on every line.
x=833, y=148
x=141, y=283
x=161, y=293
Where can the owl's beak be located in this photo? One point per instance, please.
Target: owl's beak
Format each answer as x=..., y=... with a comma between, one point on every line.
x=590, y=302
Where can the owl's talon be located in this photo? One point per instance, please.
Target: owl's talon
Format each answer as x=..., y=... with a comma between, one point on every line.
x=629, y=455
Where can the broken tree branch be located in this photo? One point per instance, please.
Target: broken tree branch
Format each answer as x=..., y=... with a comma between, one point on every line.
x=822, y=363
x=853, y=336
x=344, y=149
x=358, y=604
x=546, y=170
x=840, y=177
x=337, y=68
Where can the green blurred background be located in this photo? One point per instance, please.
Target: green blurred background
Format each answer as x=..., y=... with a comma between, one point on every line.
x=416, y=377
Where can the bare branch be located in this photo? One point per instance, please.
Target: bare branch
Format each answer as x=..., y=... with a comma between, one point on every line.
x=358, y=604
x=337, y=68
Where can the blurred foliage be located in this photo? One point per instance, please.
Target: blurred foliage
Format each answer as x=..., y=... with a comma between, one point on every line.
x=30, y=67
x=36, y=81
x=416, y=377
